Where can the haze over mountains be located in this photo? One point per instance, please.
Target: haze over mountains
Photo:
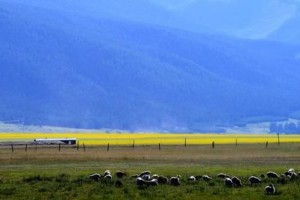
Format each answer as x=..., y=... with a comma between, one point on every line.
x=150, y=65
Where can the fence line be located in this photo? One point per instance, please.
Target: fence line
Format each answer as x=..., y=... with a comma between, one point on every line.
x=62, y=147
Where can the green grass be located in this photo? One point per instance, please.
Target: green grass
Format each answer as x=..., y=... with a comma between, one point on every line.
x=51, y=174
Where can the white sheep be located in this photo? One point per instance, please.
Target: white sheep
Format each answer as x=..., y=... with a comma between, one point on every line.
x=236, y=181
x=146, y=177
x=162, y=180
x=290, y=172
x=140, y=182
x=206, y=178
x=222, y=175
x=120, y=174
x=270, y=189
x=154, y=176
x=254, y=180
x=107, y=177
x=175, y=180
x=106, y=172
x=153, y=182
x=144, y=173
x=294, y=175
x=198, y=177
x=271, y=174
x=144, y=183
x=95, y=177
x=191, y=178
x=228, y=182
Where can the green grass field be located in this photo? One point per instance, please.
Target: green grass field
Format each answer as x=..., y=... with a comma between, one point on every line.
x=50, y=173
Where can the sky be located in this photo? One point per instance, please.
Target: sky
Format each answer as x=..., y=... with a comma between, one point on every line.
x=254, y=19
x=250, y=19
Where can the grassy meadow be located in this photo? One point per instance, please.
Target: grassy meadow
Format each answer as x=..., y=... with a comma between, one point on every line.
x=50, y=172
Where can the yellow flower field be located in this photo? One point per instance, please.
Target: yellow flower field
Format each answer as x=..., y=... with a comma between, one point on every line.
x=151, y=138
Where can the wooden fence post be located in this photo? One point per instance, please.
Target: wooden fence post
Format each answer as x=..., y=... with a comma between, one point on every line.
x=107, y=149
x=12, y=148
x=159, y=146
x=184, y=142
x=83, y=147
x=236, y=143
x=213, y=144
x=133, y=143
x=59, y=147
x=26, y=148
x=278, y=139
x=77, y=146
x=267, y=143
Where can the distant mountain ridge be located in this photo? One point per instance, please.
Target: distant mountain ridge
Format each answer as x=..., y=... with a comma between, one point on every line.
x=71, y=69
x=270, y=19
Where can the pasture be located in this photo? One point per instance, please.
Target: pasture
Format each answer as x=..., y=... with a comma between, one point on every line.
x=47, y=172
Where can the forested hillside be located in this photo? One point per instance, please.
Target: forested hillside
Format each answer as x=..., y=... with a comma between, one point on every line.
x=65, y=66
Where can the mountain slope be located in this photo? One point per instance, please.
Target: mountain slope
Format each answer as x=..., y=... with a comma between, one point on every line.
x=289, y=32
x=85, y=71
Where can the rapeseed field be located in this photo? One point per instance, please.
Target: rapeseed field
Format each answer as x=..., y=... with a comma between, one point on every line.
x=152, y=138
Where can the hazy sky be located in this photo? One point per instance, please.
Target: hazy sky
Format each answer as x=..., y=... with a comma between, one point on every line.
x=252, y=19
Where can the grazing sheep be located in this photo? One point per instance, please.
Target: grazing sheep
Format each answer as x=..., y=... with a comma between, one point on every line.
x=222, y=176
x=237, y=182
x=95, y=177
x=282, y=179
x=153, y=182
x=120, y=174
x=290, y=172
x=270, y=189
x=271, y=174
x=144, y=173
x=282, y=176
x=140, y=182
x=162, y=180
x=254, y=180
x=206, y=178
x=119, y=183
x=146, y=177
x=107, y=178
x=106, y=172
x=287, y=173
x=198, y=177
x=143, y=183
x=294, y=175
x=154, y=176
x=175, y=181
x=191, y=178
x=228, y=182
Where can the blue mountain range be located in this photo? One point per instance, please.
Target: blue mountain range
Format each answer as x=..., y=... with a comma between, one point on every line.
x=147, y=64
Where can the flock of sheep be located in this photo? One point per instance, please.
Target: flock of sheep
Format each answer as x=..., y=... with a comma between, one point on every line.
x=146, y=179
